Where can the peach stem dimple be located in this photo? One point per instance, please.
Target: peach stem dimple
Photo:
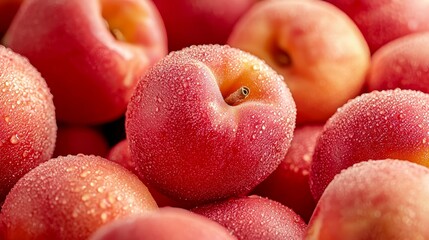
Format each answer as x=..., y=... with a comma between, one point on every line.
x=117, y=34
x=238, y=96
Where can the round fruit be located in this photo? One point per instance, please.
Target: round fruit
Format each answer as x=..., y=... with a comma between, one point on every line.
x=376, y=125
x=27, y=119
x=71, y=197
x=209, y=122
x=255, y=217
x=383, y=199
x=166, y=223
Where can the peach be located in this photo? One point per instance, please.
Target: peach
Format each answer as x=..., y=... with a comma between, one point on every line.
x=91, y=53
x=402, y=63
x=120, y=153
x=195, y=22
x=383, y=199
x=288, y=184
x=166, y=223
x=209, y=122
x=71, y=197
x=382, y=21
x=80, y=139
x=28, y=126
x=255, y=217
x=376, y=125
x=323, y=57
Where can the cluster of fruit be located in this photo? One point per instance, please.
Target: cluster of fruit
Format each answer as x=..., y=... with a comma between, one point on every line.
x=226, y=119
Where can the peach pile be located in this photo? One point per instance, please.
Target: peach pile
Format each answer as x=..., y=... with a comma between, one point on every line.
x=375, y=125
x=225, y=119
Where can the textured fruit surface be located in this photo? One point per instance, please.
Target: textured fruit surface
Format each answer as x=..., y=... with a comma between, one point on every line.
x=255, y=217
x=27, y=119
x=70, y=197
x=324, y=58
x=385, y=20
x=402, y=63
x=376, y=125
x=383, y=199
x=166, y=223
x=288, y=184
x=189, y=143
x=72, y=140
x=90, y=72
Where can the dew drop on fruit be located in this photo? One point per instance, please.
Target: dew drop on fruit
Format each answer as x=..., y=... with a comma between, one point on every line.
x=14, y=139
x=103, y=217
x=86, y=197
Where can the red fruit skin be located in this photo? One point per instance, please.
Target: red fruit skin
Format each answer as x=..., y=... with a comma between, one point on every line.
x=194, y=22
x=288, y=184
x=71, y=197
x=120, y=154
x=72, y=140
x=382, y=21
x=190, y=144
x=402, y=63
x=90, y=73
x=254, y=217
x=27, y=119
x=383, y=199
x=376, y=125
x=8, y=9
x=166, y=223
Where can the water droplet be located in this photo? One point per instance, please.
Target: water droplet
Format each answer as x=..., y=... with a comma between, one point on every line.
x=103, y=217
x=14, y=139
x=100, y=189
x=85, y=174
x=307, y=157
x=104, y=204
x=24, y=154
x=86, y=197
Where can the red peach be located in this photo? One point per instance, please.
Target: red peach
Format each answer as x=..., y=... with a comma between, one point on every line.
x=288, y=184
x=165, y=223
x=120, y=153
x=382, y=21
x=323, y=57
x=195, y=22
x=71, y=197
x=209, y=122
x=402, y=63
x=91, y=53
x=255, y=217
x=376, y=125
x=383, y=199
x=72, y=140
x=27, y=119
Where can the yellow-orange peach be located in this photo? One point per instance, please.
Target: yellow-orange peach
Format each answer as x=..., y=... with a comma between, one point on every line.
x=318, y=50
